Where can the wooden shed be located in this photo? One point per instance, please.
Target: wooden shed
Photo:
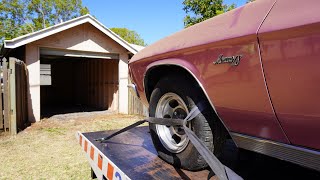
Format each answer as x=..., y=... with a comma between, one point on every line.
x=78, y=63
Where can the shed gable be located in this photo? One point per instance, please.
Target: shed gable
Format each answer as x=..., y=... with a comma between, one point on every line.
x=84, y=37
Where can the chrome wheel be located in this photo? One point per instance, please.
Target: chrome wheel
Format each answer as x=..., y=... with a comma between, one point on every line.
x=173, y=138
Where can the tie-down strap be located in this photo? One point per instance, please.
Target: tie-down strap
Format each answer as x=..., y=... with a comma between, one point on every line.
x=222, y=171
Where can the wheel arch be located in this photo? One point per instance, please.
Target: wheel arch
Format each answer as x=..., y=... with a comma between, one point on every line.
x=177, y=67
x=155, y=73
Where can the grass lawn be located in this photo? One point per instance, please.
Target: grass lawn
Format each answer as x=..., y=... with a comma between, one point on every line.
x=49, y=150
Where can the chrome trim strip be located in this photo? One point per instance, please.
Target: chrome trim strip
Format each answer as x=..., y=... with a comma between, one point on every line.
x=298, y=155
x=200, y=84
x=133, y=89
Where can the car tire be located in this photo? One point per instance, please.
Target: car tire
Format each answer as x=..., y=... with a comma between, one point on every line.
x=183, y=154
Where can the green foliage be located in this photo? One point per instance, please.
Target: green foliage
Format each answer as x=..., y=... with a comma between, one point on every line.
x=19, y=17
x=248, y=1
x=200, y=10
x=12, y=15
x=129, y=35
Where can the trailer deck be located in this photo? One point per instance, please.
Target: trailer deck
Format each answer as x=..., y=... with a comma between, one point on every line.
x=130, y=155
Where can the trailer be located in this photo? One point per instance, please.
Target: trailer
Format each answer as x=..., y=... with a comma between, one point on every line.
x=103, y=156
x=130, y=155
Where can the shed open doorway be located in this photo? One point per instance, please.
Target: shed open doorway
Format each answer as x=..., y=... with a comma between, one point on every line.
x=77, y=84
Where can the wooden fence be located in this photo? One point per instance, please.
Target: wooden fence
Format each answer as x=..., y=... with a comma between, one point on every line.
x=13, y=104
x=135, y=105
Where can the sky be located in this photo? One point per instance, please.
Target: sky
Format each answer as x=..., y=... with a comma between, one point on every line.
x=152, y=19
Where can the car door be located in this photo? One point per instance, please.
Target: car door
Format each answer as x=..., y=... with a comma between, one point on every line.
x=290, y=50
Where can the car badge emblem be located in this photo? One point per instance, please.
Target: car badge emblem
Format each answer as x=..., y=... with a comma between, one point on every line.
x=233, y=60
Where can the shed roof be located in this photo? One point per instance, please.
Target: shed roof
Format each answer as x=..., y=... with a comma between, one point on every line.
x=137, y=47
x=31, y=37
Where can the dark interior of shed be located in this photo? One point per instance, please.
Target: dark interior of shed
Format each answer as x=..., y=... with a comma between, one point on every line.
x=79, y=85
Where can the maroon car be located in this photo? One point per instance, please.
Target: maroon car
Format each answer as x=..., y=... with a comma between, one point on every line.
x=256, y=69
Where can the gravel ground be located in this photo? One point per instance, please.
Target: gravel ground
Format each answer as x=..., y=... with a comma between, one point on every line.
x=49, y=150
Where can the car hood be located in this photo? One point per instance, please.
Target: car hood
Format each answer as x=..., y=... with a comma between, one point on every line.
x=239, y=22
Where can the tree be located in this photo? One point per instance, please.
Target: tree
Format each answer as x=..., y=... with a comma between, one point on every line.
x=248, y=1
x=12, y=15
x=130, y=36
x=200, y=10
x=19, y=17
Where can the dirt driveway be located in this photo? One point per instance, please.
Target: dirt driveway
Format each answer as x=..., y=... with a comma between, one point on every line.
x=49, y=149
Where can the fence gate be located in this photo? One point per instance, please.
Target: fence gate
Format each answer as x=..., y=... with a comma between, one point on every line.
x=13, y=116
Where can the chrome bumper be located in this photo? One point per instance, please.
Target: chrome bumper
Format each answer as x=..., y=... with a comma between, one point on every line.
x=133, y=89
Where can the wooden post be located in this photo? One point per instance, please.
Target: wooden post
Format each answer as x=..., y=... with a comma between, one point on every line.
x=18, y=95
x=12, y=91
x=1, y=96
x=6, y=103
x=129, y=99
x=116, y=85
x=23, y=90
